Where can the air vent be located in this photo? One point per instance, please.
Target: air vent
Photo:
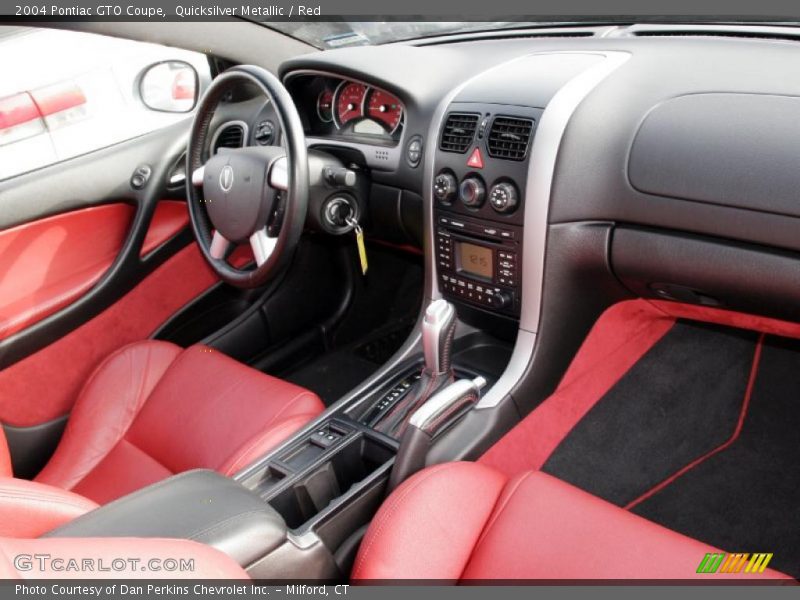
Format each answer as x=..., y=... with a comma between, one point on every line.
x=509, y=138
x=458, y=132
x=764, y=32
x=230, y=135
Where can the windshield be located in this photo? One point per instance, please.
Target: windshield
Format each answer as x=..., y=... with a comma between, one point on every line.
x=363, y=33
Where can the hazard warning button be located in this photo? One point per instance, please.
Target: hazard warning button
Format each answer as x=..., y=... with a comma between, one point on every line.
x=475, y=160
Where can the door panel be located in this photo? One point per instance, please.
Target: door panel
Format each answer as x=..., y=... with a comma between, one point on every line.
x=79, y=237
x=87, y=265
x=169, y=218
x=44, y=385
x=47, y=264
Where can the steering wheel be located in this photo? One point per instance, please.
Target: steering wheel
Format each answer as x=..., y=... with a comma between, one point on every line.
x=251, y=195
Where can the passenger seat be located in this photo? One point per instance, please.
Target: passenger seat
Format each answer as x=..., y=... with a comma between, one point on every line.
x=465, y=521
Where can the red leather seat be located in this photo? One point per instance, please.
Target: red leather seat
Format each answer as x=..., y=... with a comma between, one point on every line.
x=465, y=521
x=153, y=409
x=114, y=558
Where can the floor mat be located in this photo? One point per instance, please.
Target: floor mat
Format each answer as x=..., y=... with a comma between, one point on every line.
x=680, y=401
x=745, y=498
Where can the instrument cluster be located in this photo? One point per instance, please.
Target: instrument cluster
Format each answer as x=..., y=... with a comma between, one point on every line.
x=337, y=107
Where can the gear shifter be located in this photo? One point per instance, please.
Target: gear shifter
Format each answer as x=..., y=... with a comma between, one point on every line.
x=438, y=329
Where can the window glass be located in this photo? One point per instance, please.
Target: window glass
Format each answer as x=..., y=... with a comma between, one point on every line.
x=66, y=93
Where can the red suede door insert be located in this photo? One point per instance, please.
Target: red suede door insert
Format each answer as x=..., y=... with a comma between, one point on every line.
x=47, y=264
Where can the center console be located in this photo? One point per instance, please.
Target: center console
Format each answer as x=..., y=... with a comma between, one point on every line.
x=480, y=171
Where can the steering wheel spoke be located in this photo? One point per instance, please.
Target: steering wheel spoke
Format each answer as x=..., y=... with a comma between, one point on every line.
x=219, y=246
x=263, y=245
x=279, y=174
x=197, y=176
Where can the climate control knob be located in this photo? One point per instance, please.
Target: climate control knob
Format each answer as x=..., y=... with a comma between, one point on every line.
x=445, y=187
x=472, y=192
x=504, y=197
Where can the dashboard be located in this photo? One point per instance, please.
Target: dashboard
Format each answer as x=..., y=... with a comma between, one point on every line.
x=649, y=146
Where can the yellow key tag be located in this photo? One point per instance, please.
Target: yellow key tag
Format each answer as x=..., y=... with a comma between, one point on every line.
x=362, y=250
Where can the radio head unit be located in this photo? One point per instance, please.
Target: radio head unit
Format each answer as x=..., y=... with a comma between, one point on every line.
x=479, y=263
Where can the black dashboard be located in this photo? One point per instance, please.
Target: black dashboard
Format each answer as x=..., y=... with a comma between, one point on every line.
x=679, y=131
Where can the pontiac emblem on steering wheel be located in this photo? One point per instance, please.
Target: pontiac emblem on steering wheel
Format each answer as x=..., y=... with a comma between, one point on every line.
x=226, y=178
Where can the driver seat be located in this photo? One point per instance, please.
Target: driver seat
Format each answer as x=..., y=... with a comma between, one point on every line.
x=153, y=409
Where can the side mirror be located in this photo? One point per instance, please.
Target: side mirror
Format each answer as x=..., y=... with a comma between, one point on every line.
x=169, y=86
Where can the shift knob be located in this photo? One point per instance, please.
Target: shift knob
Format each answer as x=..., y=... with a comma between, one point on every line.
x=438, y=327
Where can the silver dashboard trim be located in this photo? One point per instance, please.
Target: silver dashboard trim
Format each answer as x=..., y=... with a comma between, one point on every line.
x=541, y=168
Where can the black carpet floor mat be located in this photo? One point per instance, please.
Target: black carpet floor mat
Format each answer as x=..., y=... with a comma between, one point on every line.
x=681, y=400
x=746, y=498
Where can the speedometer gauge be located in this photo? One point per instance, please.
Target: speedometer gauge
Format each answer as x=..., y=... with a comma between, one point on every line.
x=386, y=109
x=325, y=106
x=350, y=98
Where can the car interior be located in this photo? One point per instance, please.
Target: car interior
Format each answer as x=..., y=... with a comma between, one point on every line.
x=438, y=309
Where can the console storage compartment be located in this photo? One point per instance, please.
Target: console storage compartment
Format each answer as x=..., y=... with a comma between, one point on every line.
x=329, y=483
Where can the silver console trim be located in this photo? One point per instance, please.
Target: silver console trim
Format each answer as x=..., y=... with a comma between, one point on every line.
x=541, y=168
x=444, y=399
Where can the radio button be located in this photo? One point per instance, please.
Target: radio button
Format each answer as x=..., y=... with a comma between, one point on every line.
x=502, y=300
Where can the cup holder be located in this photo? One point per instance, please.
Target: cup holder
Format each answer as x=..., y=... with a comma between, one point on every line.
x=313, y=492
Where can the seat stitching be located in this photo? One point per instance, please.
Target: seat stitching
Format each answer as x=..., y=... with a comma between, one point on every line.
x=498, y=509
x=390, y=510
x=45, y=499
x=197, y=534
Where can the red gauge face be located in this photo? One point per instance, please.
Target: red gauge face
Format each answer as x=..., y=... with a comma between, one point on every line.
x=325, y=106
x=350, y=102
x=385, y=109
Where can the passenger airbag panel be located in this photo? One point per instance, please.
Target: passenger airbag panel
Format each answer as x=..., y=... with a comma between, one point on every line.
x=736, y=150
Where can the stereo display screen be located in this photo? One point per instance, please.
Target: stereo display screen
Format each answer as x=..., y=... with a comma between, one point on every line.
x=475, y=260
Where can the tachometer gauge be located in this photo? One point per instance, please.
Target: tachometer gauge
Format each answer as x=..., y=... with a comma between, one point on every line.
x=349, y=102
x=325, y=106
x=386, y=109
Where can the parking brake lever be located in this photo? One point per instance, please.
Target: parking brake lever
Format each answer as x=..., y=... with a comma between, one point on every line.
x=428, y=421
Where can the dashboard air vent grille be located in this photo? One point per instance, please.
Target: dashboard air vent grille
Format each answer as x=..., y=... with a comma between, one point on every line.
x=230, y=136
x=458, y=132
x=509, y=138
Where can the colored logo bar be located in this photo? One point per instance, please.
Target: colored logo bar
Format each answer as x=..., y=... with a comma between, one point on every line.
x=722, y=562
